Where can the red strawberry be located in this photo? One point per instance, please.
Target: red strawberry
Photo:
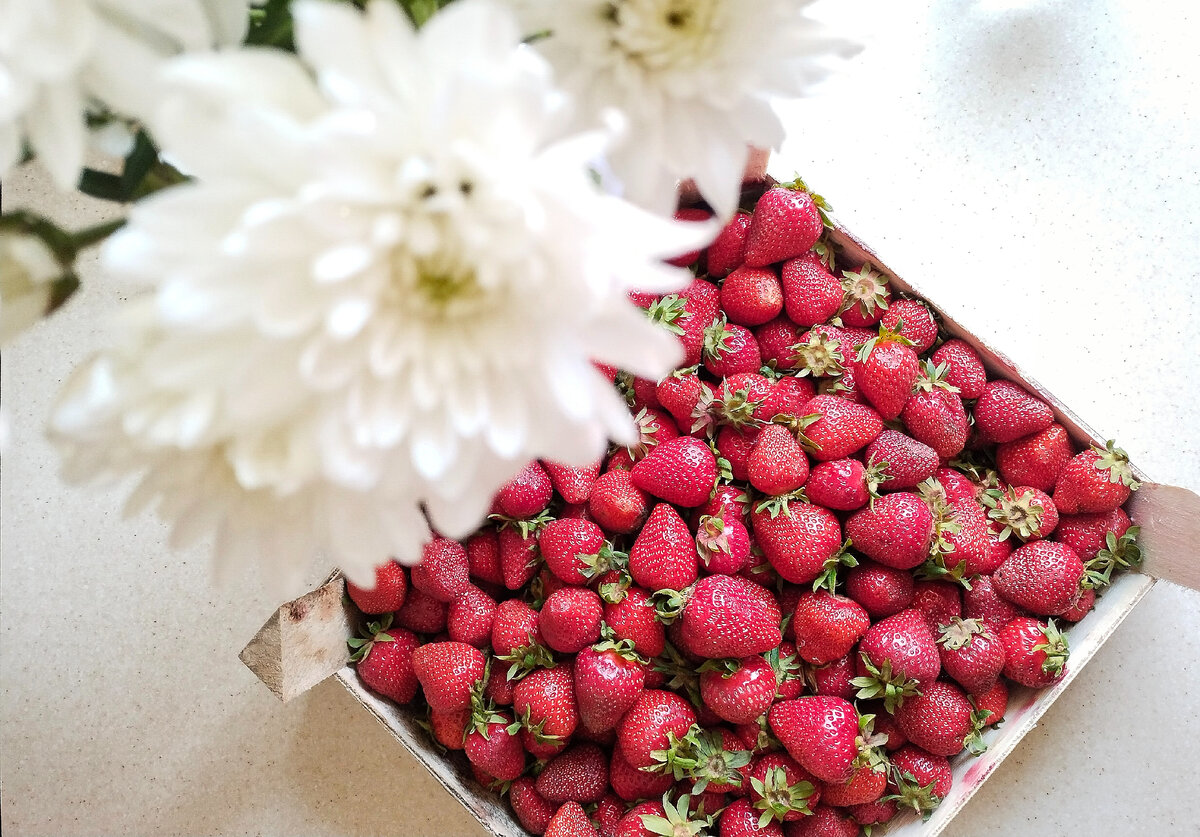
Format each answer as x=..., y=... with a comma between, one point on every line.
x=728, y=616
x=632, y=784
x=866, y=784
x=730, y=348
x=618, y=505
x=570, y=820
x=632, y=617
x=1082, y=607
x=982, y=602
x=882, y=591
x=646, y=727
x=741, y=693
x=443, y=572
x=741, y=819
x=1035, y=460
x=722, y=543
x=728, y=249
x=469, y=618
x=1041, y=577
x=545, y=703
x=655, y=426
x=1097, y=480
x=912, y=319
x=1005, y=412
x=993, y=702
x=694, y=216
x=386, y=596
x=751, y=296
x=741, y=400
x=887, y=372
x=827, y=626
x=448, y=671
x=579, y=773
x=1035, y=653
x=701, y=305
x=940, y=719
x=608, y=813
x=896, y=656
x=971, y=540
x=821, y=733
x=955, y=486
x=823, y=352
x=533, y=812
x=777, y=463
x=842, y=428
x=518, y=557
x=896, y=531
x=873, y=813
x=449, y=726
x=843, y=484
x=572, y=482
x=384, y=658
x=726, y=499
x=799, y=540
x=887, y=729
x=734, y=446
x=865, y=296
x=574, y=550
x=1022, y=511
x=902, y=460
x=608, y=681
x=1086, y=533
x=826, y=821
x=776, y=342
x=934, y=414
x=938, y=600
x=483, y=557
x=921, y=779
x=527, y=494
x=971, y=654
x=570, y=619
x=422, y=613
x=787, y=397
x=664, y=554
x=964, y=369
x=685, y=397
x=811, y=294
x=492, y=748
x=786, y=222
x=499, y=688
x=680, y=471
x=514, y=625
x=781, y=789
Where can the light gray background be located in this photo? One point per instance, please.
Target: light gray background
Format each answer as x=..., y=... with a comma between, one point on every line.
x=1032, y=166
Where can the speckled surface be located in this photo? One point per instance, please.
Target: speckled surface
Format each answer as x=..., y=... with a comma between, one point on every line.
x=1030, y=165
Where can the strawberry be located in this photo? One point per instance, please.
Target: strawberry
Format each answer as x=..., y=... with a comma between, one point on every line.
x=842, y=484
x=971, y=654
x=579, y=773
x=1082, y=607
x=469, y=618
x=1041, y=577
x=821, y=733
x=514, y=626
x=993, y=702
x=935, y=415
x=684, y=396
x=387, y=596
x=776, y=342
x=491, y=747
x=443, y=572
x=970, y=539
x=499, y=688
x=887, y=730
x=575, y=550
x=681, y=471
x=570, y=820
x=632, y=784
x=608, y=681
x=664, y=554
x=964, y=369
x=719, y=755
x=940, y=720
x=842, y=427
x=888, y=370
x=618, y=505
x=938, y=600
x=448, y=671
x=1005, y=412
x=787, y=397
x=1087, y=533
x=823, y=352
x=483, y=557
x=751, y=296
x=897, y=530
x=722, y=543
x=1097, y=480
x=545, y=704
x=527, y=494
x=798, y=538
x=786, y=222
x=384, y=657
x=532, y=810
x=422, y=613
x=727, y=616
x=955, y=486
x=741, y=819
x=982, y=602
x=572, y=482
x=741, y=400
x=728, y=249
x=827, y=626
x=777, y=463
x=632, y=617
x=738, y=691
x=730, y=348
x=734, y=446
x=701, y=305
x=826, y=821
x=780, y=789
x=726, y=499
x=693, y=215
x=811, y=294
x=913, y=320
x=608, y=813
x=873, y=813
x=897, y=655
x=518, y=557
x=570, y=619
x=449, y=726
x=655, y=426
x=881, y=591
x=865, y=296
x=1035, y=460
x=866, y=784
x=920, y=779
x=1022, y=511
x=901, y=460
x=654, y=723
x=1035, y=653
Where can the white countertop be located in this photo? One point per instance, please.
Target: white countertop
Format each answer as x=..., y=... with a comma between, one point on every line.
x=1031, y=166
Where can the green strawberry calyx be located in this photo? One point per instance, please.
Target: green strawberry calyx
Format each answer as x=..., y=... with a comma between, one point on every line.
x=677, y=759
x=621, y=647
x=881, y=682
x=820, y=356
x=865, y=288
x=737, y=408
x=679, y=820
x=886, y=335
x=716, y=338
x=781, y=504
x=711, y=762
x=608, y=559
x=613, y=592
x=526, y=658
x=871, y=745
x=526, y=526
x=1116, y=462
x=668, y=604
x=667, y=311
x=828, y=579
x=678, y=670
x=959, y=632
x=973, y=741
x=483, y=710
x=535, y=729
x=875, y=476
x=934, y=377
x=712, y=536
x=1020, y=516
x=777, y=798
x=911, y=794
x=1056, y=648
x=1117, y=554
x=372, y=632
x=786, y=667
x=647, y=426
x=826, y=250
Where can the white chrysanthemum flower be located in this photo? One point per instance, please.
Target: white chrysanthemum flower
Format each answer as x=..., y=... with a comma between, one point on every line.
x=383, y=293
x=61, y=58
x=27, y=273
x=693, y=79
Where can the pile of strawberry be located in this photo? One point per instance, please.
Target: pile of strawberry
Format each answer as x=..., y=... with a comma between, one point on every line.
x=807, y=585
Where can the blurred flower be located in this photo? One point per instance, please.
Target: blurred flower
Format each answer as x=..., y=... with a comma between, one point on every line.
x=692, y=79
x=382, y=295
x=59, y=59
x=27, y=273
